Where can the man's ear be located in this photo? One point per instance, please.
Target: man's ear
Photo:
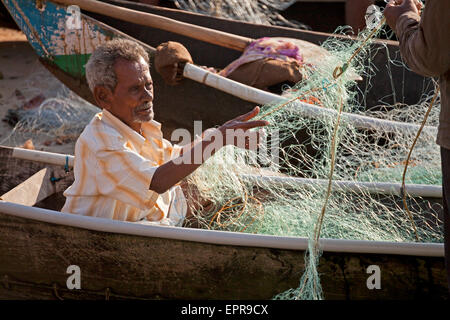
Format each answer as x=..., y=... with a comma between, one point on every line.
x=103, y=97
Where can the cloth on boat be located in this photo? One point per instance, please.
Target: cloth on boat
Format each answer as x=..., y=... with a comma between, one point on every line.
x=267, y=62
x=425, y=47
x=113, y=169
x=170, y=58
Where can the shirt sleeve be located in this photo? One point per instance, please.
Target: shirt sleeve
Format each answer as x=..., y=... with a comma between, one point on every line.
x=425, y=41
x=126, y=176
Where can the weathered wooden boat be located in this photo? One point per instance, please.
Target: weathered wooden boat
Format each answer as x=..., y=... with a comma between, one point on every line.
x=126, y=260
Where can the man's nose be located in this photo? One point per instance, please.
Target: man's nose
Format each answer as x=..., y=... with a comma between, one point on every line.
x=148, y=95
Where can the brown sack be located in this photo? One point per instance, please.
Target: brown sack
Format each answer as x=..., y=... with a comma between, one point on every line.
x=170, y=58
x=267, y=72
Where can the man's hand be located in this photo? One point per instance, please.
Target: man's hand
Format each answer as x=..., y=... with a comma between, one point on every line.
x=395, y=8
x=236, y=131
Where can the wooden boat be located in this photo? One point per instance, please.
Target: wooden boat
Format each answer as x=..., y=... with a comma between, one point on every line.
x=127, y=260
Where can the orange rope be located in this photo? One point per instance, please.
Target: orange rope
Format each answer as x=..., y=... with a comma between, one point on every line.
x=218, y=214
x=404, y=194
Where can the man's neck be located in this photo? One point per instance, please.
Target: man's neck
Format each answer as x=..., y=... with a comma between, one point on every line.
x=137, y=126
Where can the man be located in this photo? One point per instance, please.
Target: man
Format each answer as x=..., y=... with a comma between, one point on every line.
x=124, y=169
x=425, y=46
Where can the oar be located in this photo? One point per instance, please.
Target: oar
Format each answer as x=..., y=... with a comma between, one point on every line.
x=414, y=190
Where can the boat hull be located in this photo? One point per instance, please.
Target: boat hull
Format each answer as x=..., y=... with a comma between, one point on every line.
x=34, y=256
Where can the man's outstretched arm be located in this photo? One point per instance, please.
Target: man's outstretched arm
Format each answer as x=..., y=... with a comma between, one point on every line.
x=172, y=172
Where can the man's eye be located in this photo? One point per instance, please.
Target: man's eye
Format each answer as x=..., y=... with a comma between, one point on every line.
x=149, y=85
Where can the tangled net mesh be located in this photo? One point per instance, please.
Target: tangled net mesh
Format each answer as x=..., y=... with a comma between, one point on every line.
x=256, y=193
x=283, y=188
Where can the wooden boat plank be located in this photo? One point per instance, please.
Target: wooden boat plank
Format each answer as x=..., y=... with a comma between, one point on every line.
x=39, y=187
x=15, y=171
x=141, y=267
x=32, y=190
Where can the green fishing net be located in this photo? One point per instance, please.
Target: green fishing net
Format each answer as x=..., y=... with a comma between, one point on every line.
x=287, y=194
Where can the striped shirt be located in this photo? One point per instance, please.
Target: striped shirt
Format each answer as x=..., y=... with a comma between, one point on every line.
x=113, y=169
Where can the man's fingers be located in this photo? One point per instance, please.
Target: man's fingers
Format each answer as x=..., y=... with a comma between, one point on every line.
x=250, y=124
x=391, y=3
x=411, y=3
x=418, y=5
x=248, y=115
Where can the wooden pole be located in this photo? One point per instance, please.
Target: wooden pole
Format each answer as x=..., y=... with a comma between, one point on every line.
x=216, y=37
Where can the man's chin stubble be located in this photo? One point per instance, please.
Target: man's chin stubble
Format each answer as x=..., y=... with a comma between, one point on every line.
x=141, y=119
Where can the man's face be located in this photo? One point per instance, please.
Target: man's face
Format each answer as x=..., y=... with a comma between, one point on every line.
x=132, y=99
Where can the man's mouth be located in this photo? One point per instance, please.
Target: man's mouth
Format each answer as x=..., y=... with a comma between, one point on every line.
x=147, y=108
x=143, y=113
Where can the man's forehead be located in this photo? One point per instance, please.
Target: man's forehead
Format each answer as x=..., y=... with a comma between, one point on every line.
x=131, y=70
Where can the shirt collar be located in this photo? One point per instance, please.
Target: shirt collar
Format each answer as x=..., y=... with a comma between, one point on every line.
x=151, y=129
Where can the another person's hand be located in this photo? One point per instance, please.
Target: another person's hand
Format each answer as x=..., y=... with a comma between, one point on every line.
x=395, y=8
x=236, y=131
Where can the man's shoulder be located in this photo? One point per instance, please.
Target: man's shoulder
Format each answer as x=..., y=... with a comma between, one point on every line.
x=100, y=135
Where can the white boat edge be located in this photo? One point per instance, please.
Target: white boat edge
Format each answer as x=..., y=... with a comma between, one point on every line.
x=220, y=237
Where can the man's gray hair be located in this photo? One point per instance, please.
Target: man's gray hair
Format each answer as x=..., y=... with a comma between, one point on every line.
x=100, y=66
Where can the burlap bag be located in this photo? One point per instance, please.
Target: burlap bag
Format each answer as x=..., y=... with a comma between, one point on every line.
x=170, y=58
